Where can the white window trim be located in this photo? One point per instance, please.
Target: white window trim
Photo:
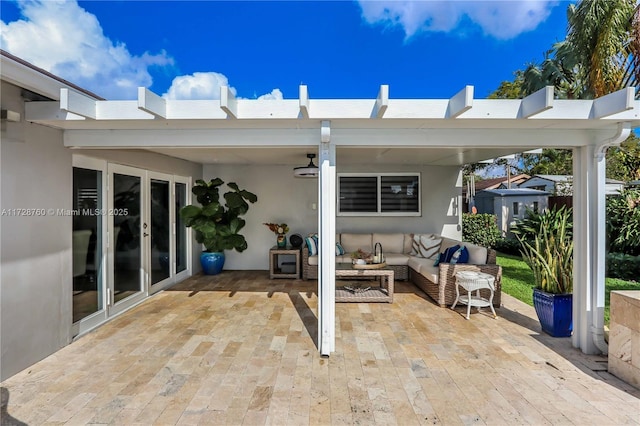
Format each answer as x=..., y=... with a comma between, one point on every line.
x=379, y=195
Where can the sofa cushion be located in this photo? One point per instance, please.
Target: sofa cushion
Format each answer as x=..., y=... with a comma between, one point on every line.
x=353, y=242
x=424, y=267
x=313, y=260
x=447, y=242
x=426, y=245
x=339, y=249
x=477, y=254
x=391, y=243
x=430, y=272
x=396, y=259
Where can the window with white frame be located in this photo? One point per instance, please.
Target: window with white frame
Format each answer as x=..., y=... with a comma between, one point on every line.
x=384, y=194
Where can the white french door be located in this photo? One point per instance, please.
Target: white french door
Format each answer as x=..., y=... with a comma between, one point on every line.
x=128, y=231
x=128, y=239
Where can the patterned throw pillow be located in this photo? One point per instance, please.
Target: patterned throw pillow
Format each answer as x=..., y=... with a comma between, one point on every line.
x=312, y=244
x=339, y=249
x=445, y=256
x=460, y=256
x=426, y=245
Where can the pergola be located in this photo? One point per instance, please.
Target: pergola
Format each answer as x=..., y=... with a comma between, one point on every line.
x=451, y=131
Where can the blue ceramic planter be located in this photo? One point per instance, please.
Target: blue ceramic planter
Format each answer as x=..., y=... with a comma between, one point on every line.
x=212, y=262
x=555, y=312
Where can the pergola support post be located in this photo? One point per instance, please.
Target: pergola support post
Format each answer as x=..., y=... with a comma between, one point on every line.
x=327, y=242
x=589, y=236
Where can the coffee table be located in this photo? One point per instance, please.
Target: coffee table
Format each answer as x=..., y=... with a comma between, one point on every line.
x=379, y=291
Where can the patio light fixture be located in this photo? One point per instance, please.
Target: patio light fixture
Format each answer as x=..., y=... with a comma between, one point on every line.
x=308, y=171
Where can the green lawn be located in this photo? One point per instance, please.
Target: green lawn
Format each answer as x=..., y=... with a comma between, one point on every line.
x=517, y=281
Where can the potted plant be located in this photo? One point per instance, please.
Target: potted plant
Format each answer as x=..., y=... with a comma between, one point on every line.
x=550, y=257
x=280, y=229
x=217, y=226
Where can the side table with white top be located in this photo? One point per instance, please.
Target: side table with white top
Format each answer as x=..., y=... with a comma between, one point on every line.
x=474, y=281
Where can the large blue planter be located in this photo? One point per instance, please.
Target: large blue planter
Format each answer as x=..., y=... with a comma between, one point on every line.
x=555, y=312
x=212, y=262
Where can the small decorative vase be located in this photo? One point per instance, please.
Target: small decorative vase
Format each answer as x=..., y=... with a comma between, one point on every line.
x=282, y=240
x=212, y=262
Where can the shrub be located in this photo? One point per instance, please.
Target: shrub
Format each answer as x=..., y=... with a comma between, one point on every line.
x=623, y=266
x=623, y=217
x=480, y=229
x=508, y=246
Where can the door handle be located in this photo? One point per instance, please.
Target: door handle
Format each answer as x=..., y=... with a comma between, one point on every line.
x=144, y=234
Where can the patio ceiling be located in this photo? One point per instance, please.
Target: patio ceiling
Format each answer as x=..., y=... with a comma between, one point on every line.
x=296, y=156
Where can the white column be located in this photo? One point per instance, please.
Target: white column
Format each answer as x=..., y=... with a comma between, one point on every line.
x=327, y=243
x=589, y=245
x=589, y=236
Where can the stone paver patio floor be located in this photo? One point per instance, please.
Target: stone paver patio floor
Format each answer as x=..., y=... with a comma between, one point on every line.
x=238, y=348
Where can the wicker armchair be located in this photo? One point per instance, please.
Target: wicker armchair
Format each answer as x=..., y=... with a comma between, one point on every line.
x=444, y=293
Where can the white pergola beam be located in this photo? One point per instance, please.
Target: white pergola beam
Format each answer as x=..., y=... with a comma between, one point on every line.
x=382, y=102
x=613, y=103
x=77, y=103
x=304, y=101
x=151, y=103
x=228, y=102
x=537, y=102
x=460, y=102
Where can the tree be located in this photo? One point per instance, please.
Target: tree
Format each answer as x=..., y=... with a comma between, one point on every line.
x=604, y=40
x=623, y=162
x=598, y=56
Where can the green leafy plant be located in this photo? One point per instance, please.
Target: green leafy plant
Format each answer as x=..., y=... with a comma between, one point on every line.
x=217, y=226
x=550, y=255
x=623, y=217
x=480, y=229
x=550, y=219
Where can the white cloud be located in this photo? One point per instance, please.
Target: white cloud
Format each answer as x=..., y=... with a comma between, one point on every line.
x=275, y=94
x=63, y=38
x=199, y=85
x=206, y=85
x=502, y=19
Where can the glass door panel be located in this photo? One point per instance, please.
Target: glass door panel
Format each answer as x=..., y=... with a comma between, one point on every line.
x=160, y=261
x=127, y=236
x=88, y=290
x=181, y=230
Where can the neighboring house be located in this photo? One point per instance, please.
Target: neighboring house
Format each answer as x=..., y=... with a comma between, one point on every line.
x=502, y=182
x=90, y=188
x=562, y=185
x=510, y=205
x=553, y=184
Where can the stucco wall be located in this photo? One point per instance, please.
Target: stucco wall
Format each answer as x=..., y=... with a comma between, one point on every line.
x=284, y=198
x=36, y=251
x=35, y=273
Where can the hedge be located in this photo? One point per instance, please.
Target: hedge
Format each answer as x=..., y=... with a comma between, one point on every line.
x=480, y=229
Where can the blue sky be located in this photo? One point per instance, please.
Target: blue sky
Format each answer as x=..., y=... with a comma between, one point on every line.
x=424, y=49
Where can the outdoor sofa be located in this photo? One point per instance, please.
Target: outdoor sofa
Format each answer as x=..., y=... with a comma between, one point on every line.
x=408, y=263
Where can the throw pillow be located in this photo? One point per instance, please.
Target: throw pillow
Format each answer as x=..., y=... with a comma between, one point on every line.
x=429, y=246
x=339, y=249
x=312, y=244
x=445, y=256
x=460, y=256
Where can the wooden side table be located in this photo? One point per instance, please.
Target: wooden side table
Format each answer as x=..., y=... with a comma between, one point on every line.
x=274, y=269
